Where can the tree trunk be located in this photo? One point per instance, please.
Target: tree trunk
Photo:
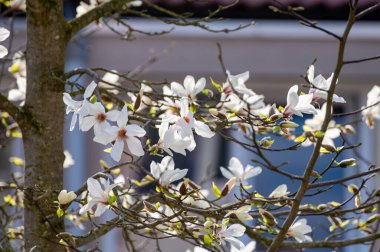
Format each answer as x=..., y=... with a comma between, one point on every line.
x=43, y=141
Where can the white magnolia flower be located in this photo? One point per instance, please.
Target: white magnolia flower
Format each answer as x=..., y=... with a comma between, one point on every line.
x=4, y=34
x=242, y=213
x=229, y=235
x=110, y=78
x=298, y=104
x=19, y=94
x=172, y=139
x=186, y=121
x=280, y=191
x=65, y=197
x=236, y=169
x=373, y=112
x=98, y=195
x=18, y=67
x=315, y=124
x=84, y=7
x=321, y=86
x=165, y=173
x=120, y=134
x=97, y=117
x=299, y=229
x=189, y=89
x=145, y=100
x=69, y=161
x=237, y=82
x=79, y=108
x=250, y=247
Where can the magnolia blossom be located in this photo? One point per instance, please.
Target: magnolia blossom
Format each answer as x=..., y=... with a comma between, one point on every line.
x=69, y=161
x=120, y=134
x=242, y=213
x=229, y=234
x=98, y=195
x=189, y=89
x=321, y=86
x=109, y=81
x=97, y=117
x=165, y=173
x=369, y=114
x=236, y=169
x=18, y=67
x=280, y=191
x=315, y=124
x=250, y=247
x=238, y=84
x=145, y=100
x=299, y=229
x=79, y=108
x=19, y=94
x=172, y=139
x=298, y=104
x=65, y=197
x=4, y=34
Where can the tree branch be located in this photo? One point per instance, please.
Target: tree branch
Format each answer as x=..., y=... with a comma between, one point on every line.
x=103, y=10
x=11, y=109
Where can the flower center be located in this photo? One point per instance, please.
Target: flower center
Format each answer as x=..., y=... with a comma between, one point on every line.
x=121, y=134
x=187, y=119
x=101, y=117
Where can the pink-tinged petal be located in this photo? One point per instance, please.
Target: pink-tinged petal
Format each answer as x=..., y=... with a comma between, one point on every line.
x=203, y=130
x=89, y=90
x=292, y=99
x=177, y=89
x=87, y=123
x=117, y=150
x=226, y=173
x=189, y=84
x=135, y=147
x=123, y=117
x=4, y=34
x=3, y=51
x=199, y=86
x=135, y=130
x=100, y=209
x=94, y=188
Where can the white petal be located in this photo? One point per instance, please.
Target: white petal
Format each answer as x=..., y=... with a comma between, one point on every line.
x=4, y=34
x=113, y=115
x=226, y=173
x=117, y=150
x=89, y=90
x=251, y=171
x=87, y=123
x=135, y=147
x=123, y=117
x=177, y=89
x=199, y=86
x=3, y=51
x=94, y=188
x=100, y=209
x=202, y=129
x=135, y=130
x=189, y=84
x=236, y=167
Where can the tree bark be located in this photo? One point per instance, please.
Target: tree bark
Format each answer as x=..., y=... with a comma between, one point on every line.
x=43, y=141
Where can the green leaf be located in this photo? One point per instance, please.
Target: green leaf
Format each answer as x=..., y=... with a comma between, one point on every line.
x=216, y=85
x=216, y=190
x=207, y=240
x=60, y=212
x=319, y=134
